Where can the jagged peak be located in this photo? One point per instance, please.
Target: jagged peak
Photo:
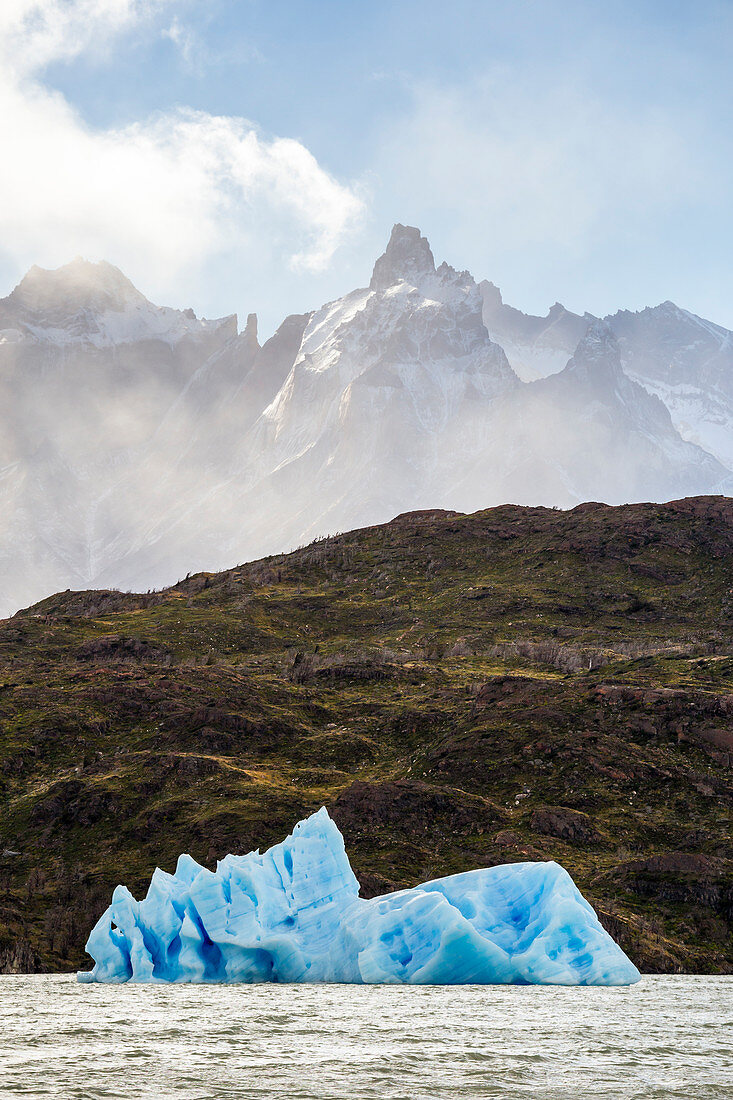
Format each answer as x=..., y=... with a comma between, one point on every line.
x=95, y=303
x=491, y=292
x=667, y=307
x=407, y=255
x=80, y=284
x=250, y=330
x=598, y=354
x=598, y=340
x=496, y=307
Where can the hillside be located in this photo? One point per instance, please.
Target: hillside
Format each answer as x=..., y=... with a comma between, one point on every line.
x=459, y=690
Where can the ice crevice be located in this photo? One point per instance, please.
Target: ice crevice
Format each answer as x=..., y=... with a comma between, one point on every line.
x=293, y=914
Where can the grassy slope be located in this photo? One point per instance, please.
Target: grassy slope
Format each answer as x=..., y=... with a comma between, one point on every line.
x=458, y=690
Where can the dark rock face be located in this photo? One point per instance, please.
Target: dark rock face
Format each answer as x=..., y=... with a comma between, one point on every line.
x=418, y=805
x=18, y=957
x=687, y=878
x=716, y=743
x=113, y=647
x=570, y=825
x=73, y=803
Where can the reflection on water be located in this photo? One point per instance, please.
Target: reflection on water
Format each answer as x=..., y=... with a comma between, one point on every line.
x=667, y=1037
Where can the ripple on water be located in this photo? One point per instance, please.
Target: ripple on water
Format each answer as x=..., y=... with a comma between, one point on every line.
x=667, y=1038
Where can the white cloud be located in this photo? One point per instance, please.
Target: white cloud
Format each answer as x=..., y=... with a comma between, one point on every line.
x=35, y=32
x=160, y=195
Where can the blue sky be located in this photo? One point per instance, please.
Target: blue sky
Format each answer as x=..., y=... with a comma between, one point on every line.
x=241, y=155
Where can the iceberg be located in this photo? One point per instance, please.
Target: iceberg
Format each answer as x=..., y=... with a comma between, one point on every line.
x=293, y=914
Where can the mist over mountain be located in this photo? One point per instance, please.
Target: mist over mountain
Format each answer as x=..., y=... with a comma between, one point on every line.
x=683, y=359
x=141, y=443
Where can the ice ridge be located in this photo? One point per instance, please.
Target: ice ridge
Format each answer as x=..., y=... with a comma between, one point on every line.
x=293, y=914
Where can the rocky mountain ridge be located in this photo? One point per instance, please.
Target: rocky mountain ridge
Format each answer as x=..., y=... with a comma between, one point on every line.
x=674, y=354
x=140, y=443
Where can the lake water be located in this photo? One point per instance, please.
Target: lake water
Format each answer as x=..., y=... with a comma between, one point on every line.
x=666, y=1037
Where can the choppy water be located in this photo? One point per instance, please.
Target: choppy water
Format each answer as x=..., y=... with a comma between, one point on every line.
x=667, y=1037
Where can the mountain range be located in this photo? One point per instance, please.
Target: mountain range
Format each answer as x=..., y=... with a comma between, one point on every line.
x=140, y=443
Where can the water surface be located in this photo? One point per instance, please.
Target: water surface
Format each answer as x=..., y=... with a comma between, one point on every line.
x=666, y=1037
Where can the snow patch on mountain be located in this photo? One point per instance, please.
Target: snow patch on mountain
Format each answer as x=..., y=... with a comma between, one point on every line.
x=94, y=303
x=687, y=362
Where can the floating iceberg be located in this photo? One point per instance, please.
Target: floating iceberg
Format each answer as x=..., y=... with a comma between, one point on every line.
x=293, y=914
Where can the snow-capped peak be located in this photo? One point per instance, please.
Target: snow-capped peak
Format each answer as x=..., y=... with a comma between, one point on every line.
x=407, y=258
x=128, y=462
x=94, y=303
x=79, y=285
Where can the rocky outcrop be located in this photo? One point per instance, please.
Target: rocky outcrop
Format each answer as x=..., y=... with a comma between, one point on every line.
x=407, y=258
x=420, y=806
x=565, y=824
x=18, y=957
x=683, y=877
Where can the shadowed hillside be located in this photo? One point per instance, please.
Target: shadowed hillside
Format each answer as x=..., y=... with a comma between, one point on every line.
x=460, y=691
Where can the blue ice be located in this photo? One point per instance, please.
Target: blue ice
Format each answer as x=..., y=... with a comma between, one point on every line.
x=293, y=914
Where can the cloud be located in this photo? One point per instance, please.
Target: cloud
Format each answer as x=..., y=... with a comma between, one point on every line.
x=36, y=32
x=538, y=163
x=544, y=176
x=160, y=195
x=185, y=41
